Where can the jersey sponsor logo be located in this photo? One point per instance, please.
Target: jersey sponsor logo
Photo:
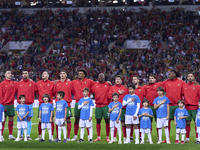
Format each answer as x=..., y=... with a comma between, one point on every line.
x=22, y=111
x=180, y=114
x=45, y=110
x=115, y=110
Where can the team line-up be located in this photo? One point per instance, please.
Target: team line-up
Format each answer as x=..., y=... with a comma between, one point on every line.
x=130, y=107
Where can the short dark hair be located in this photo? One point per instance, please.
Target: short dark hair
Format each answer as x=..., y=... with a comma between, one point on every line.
x=119, y=76
x=63, y=71
x=160, y=88
x=115, y=94
x=131, y=86
x=86, y=89
x=7, y=71
x=61, y=93
x=84, y=71
x=24, y=70
x=177, y=73
x=181, y=101
x=190, y=73
x=46, y=71
x=135, y=77
x=152, y=75
x=145, y=100
x=21, y=96
x=47, y=96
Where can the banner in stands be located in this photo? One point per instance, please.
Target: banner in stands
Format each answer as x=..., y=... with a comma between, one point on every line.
x=23, y=45
x=137, y=44
x=36, y=103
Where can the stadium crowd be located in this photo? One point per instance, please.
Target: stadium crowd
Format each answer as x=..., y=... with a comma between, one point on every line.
x=174, y=43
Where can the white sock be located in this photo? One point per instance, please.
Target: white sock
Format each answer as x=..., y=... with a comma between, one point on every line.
x=43, y=133
x=112, y=133
x=64, y=132
x=119, y=133
x=142, y=136
x=25, y=133
x=182, y=136
x=75, y=136
x=198, y=137
x=91, y=132
x=19, y=133
x=167, y=133
x=187, y=139
x=177, y=136
x=59, y=132
x=136, y=134
x=82, y=132
x=160, y=134
x=50, y=136
x=128, y=132
x=149, y=136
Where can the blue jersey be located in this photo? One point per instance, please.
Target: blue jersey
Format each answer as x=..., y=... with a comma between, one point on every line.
x=115, y=113
x=85, y=110
x=161, y=112
x=1, y=111
x=181, y=123
x=60, y=108
x=198, y=118
x=132, y=105
x=22, y=110
x=145, y=122
x=46, y=110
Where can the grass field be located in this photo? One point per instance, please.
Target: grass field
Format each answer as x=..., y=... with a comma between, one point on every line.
x=10, y=144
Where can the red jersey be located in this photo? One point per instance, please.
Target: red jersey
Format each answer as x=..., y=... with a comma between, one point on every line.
x=45, y=87
x=101, y=94
x=140, y=93
x=7, y=92
x=66, y=87
x=27, y=88
x=115, y=89
x=192, y=95
x=150, y=91
x=174, y=90
x=78, y=87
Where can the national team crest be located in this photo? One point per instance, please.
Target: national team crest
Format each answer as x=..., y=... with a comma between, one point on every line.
x=66, y=83
x=155, y=85
x=105, y=85
x=193, y=88
x=85, y=82
x=140, y=90
x=47, y=84
x=29, y=84
x=178, y=84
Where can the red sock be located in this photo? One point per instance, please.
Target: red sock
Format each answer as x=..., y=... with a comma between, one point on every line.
x=88, y=132
x=76, y=129
x=69, y=126
x=157, y=132
x=124, y=130
x=52, y=128
x=131, y=131
x=115, y=132
x=169, y=126
x=3, y=125
x=107, y=129
x=10, y=127
x=196, y=132
x=188, y=131
x=98, y=128
x=57, y=131
x=39, y=129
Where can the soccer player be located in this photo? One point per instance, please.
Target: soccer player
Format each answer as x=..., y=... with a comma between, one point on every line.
x=66, y=86
x=174, y=91
x=197, y=121
x=180, y=116
x=101, y=89
x=45, y=86
x=161, y=104
x=27, y=87
x=132, y=103
x=61, y=115
x=139, y=91
x=115, y=109
x=192, y=95
x=7, y=95
x=78, y=86
x=45, y=116
x=122, y=91
x=150, y=93
x=145, y=115
x=22, y=113
x=1, y=119
x=85, y=105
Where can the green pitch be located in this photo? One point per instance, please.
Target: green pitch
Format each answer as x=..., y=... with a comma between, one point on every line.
x=10, y=144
